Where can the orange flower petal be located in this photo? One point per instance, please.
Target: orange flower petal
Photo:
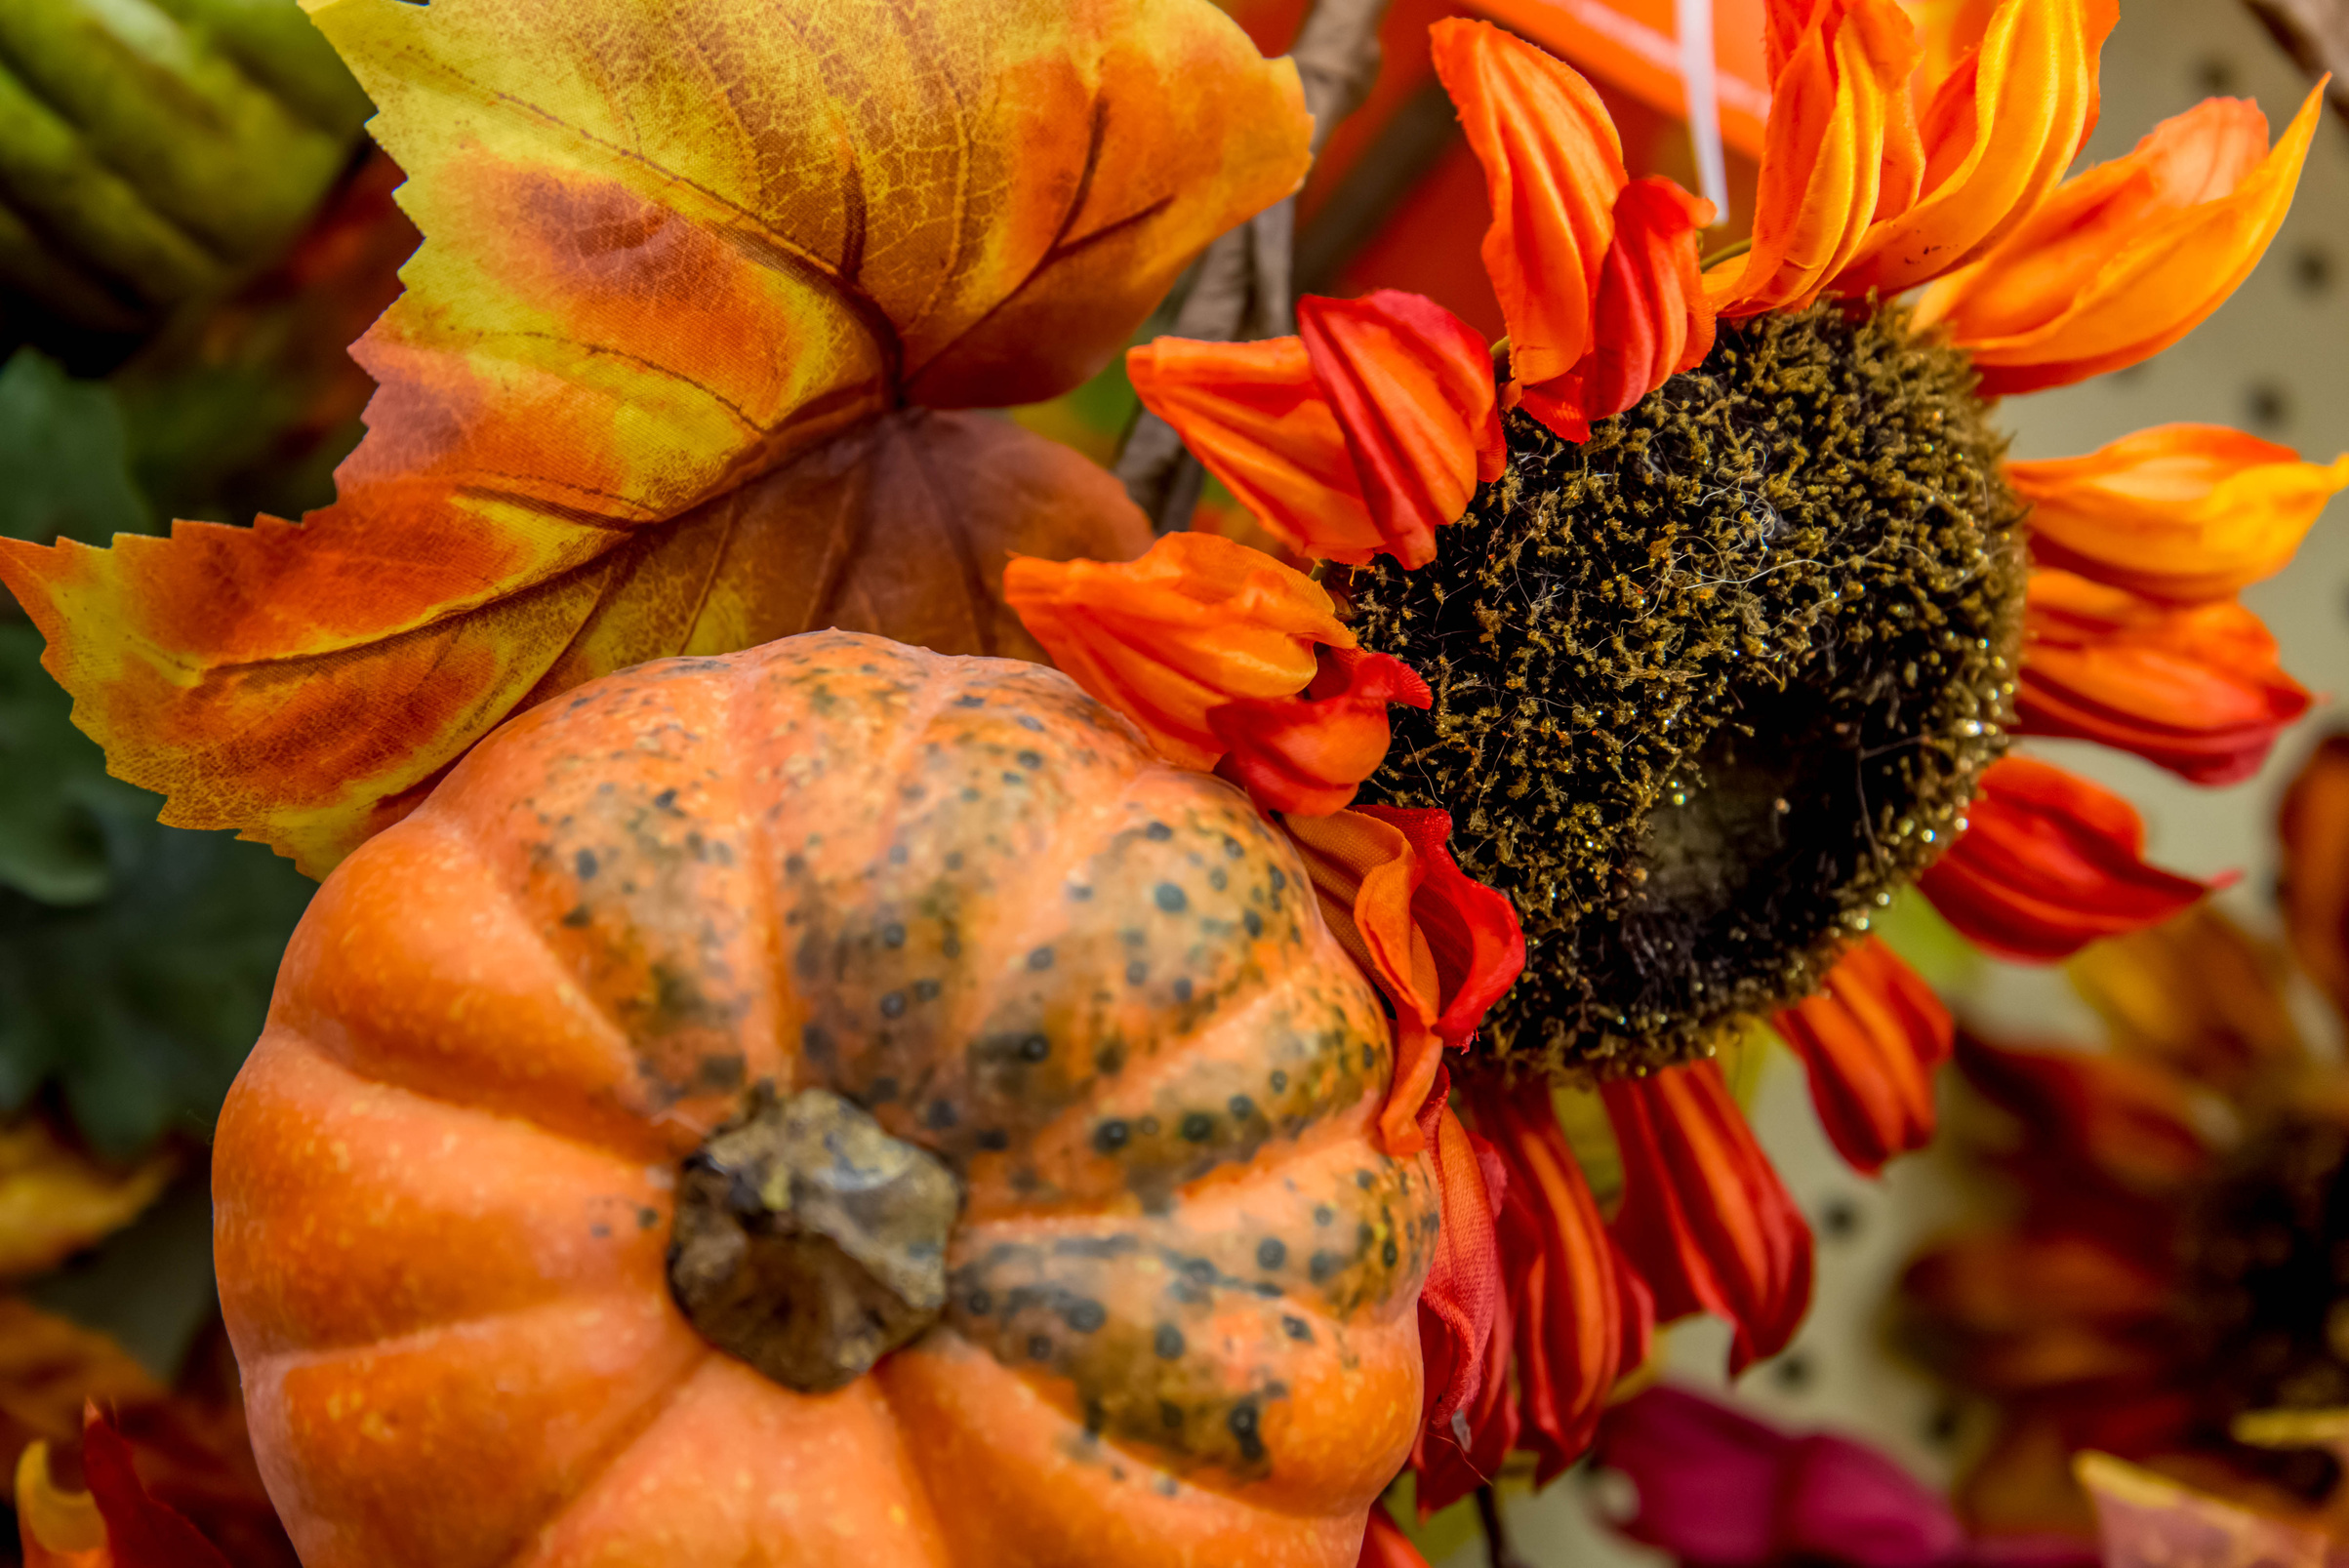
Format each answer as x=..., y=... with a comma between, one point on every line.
x=1841, y=154
x=2127, y=258
x=2047, y=863
x=1653, y=316
x=1870, y=1041
x=1385, y=1545
x=2130, y=1119
x=1309, y=754
x=1997, y=133
x=1580, y=1317
x=2195, y=690
x=2314, y=826
x=1553, y=165
x=1412, y=388
x=1705, y=1220
x=1462, y=1305
x=1195, y=622
x=2181, y=512
x=1442, y=946
x=668, y=249
x=1255, y=416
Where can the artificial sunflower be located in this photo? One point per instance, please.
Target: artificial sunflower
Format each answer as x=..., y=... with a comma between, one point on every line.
x=1709, y=607
x=2176, y=1258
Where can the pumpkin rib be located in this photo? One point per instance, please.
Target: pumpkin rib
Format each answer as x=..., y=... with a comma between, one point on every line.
x=394, y=956
x=730, y=1467
x=299, y=1097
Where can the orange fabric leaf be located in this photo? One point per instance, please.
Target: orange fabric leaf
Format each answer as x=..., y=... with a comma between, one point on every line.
x=2195, y=690
x=1196, y=622
x=55, y=1200
x=1997, y=133
x=1580, y=1317
x=1307, y=755
x=1255, y=416
x=2314, y=827
x=2146, y=1519
x=2047, y=862
x=1705, y=1220
x=1412, y=388
x=2127, y=258
x=309, y=684
x=1840, y=154
x=2181, y=512
x=1653, y=316
x=1553, y=165
x=1869, y=1040
x=668, y=250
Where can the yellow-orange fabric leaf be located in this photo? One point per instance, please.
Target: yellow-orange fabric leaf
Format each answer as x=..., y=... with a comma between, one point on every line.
x=672, y=247
x=55, y=1199
x=49, y=1366
x=235, y=670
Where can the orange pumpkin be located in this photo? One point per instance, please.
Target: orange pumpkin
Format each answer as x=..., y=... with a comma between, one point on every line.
x=877, y=1004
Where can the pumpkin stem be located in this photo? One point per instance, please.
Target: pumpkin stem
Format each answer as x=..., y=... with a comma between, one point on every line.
x=809, y=1242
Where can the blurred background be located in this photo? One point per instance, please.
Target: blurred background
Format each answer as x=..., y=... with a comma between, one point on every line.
x=145, y=375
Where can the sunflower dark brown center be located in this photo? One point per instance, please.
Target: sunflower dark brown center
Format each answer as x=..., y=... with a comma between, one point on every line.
x=810, y=1242
x=1712, y=684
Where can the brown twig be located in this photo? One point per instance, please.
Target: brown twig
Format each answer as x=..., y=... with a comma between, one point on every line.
x=1496, y=1537
x=1241, y=288
x=2316, y=34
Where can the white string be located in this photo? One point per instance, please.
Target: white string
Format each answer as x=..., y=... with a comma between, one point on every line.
x=1694, y=21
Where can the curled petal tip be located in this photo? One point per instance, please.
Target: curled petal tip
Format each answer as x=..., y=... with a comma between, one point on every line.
x=1307, y=755
x=1869, y=1042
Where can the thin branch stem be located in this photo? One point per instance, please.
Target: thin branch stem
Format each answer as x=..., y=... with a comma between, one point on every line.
x=1241, y=289
x=2316, y=34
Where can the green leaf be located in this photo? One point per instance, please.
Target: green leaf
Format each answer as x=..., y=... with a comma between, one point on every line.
x=65, y=826
x=65, y=463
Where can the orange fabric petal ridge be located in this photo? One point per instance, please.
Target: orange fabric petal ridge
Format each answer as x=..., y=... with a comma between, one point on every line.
x=2314, y=828
x=2179, y=512
x=1462, y=1307
x=1870, y=1041
x=2130, y=255
x=1997, y=133
x=1553, y=165
x=1412, y=387
x=1254, y=416
x=1196, y=622
x=1840, y=154
x=2048, y=862
x=1705, y=1219
x=1653, y=316
x=2196, y=690
x=1579, y=1317
x=1308, y=755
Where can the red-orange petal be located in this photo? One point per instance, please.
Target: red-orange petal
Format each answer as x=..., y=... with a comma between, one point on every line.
x=1653, y=316
x=2047, y=863
x=1579, y=1316
x=2196, y=690
x=1196, y=622
x=2127, y=258
x=1412, y=387
x=1553, y=165
x=1870, y=1041
x=1705, y=1220
x=1997, y=133
x=2181, y=512
x=1840, y=154
x=141, y=1529
x=2131, y=1120
x=1461, y=1303
x=1385, y=1545
x=1255, y=416
x=1309, y=754
x=2313, y=827
x=1470, y=930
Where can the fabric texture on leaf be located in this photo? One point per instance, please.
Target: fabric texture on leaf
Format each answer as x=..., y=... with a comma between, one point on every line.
x=679, y=263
